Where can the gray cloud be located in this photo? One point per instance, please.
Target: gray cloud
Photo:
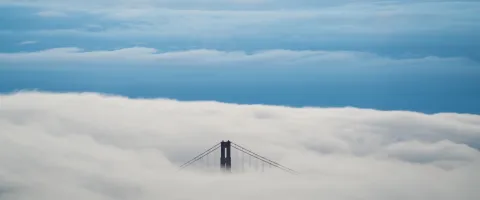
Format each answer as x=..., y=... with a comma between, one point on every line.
x=91, y=146
x=28, y=42
x=49, y=13
x=420, y=153
x=443, y=28
x=208, y=57
x=300, y=20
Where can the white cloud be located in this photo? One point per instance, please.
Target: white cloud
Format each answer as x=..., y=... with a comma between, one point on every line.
x=415, y=151
x=143, y=56
x=91, y=146
x=231, y=4
x=308, y=19
x=309, y=24
x=51, y=13
x=27, y=42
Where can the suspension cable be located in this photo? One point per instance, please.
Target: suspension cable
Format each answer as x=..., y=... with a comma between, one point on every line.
x=208, y=151
x=243, y=150
x=212, y=150
x=263, y=158
x=267, y=161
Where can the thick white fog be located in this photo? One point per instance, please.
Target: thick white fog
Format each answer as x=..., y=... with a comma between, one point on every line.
x=97, y=147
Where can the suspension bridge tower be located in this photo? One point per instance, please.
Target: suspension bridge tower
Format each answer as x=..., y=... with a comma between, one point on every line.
x=225, y=158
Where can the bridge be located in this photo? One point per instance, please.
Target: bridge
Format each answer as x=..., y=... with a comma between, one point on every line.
x=224, y=149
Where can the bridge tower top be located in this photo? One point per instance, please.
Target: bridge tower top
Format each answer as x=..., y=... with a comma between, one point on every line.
x=226, y=159
x=225, y=156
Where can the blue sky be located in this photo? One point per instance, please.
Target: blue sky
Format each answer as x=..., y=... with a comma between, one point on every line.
x=390, y=55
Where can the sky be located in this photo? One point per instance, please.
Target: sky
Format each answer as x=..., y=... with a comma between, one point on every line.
x=366, y=99
x=388, y=55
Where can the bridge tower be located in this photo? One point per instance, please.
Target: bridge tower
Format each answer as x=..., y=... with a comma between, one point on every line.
x=225, y=158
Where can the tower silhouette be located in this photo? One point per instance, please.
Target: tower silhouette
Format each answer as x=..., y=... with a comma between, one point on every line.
x=225, y=158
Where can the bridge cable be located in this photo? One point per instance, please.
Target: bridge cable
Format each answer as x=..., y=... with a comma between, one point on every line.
x=194, y=161
x=263, y=161
x=200, y=156
x=273, y=163
x=263, y=157
x=267, y=161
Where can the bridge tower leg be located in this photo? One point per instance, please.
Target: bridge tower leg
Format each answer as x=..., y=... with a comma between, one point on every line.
x=225, y=158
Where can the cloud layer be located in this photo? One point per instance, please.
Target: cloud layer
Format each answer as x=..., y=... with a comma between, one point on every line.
x=201, y=57
x=92, y=146
x=437, y=27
